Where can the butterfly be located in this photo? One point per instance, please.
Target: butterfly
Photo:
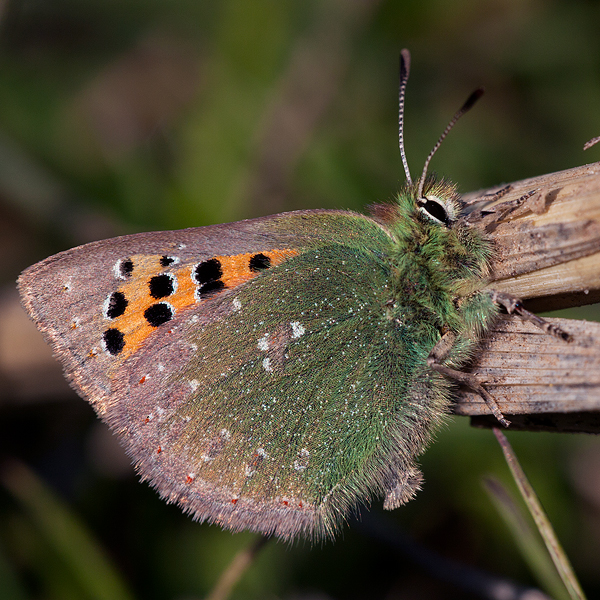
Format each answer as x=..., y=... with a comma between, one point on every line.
x=274, y=373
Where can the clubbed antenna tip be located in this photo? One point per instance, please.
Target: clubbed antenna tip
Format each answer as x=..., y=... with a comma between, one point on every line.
x=467, y=106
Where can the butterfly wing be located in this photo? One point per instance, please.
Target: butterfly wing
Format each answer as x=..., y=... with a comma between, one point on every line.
x=64, y=293
x=249, y=368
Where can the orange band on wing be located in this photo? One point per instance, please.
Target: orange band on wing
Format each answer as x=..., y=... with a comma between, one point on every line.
x=153, y=294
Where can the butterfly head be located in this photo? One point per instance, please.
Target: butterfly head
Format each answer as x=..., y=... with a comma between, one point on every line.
x=436, y=199
x=439, y=207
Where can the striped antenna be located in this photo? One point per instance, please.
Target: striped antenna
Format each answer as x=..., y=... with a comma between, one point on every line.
x=466, y=107
x=404, y=71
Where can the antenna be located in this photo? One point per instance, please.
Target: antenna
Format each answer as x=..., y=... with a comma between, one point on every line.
x=404, y=71
x=466, y=107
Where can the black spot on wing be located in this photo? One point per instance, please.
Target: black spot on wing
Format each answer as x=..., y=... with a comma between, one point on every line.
x=114, y=341
x=158, y=314
x=117, y=304
x=166, y=261
x=259, y=262
x=212, y=287
x=125, y=268
x=207, y=271
x=161, y=286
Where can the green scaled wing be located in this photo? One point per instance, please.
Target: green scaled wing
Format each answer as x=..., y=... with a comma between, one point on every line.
x=296, y=396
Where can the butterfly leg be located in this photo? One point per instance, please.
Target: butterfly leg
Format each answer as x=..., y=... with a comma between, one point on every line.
x=489, y=218
x=514, y=305
x=437, y=356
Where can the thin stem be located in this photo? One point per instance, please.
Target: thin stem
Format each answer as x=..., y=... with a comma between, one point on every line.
x=560, y=559
x=238, y=566
x=591, y=142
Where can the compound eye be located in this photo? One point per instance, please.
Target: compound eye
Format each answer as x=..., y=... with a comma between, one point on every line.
x=435, y=210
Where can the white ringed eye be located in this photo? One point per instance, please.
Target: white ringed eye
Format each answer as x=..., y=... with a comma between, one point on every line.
x=435, y=209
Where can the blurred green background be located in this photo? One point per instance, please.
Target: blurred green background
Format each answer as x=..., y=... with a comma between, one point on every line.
x=131, y=115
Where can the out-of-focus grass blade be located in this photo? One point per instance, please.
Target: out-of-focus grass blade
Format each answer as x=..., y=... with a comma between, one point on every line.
x=533, y=550
x=72, y=542
x=238, y=566
x=561, y=562
x=10, y=588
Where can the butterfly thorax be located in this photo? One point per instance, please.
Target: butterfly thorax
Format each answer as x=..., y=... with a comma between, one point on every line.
x=434, y=265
